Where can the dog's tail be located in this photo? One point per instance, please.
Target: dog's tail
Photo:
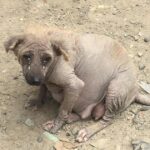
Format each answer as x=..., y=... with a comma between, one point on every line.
x=143, y=99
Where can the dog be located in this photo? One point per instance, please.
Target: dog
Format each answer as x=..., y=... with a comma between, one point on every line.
x=88, y=74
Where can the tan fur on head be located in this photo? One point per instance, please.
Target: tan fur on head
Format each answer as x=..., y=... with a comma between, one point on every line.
x=56, y=36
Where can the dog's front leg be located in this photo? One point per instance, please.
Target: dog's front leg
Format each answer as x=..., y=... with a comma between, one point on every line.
x=38, y=101
x=72, y=91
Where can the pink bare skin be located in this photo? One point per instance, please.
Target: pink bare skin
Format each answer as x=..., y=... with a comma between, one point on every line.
x=99, y=111
x=81, y=71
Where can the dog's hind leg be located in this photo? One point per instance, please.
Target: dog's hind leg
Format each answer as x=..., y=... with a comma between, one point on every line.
x=121, y=93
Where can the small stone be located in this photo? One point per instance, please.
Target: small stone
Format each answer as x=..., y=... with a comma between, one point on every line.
x=145, y=108
x=101, y=6
x=146, y=38
x=140, y=54
x=131, y=46
x=39, y=139
x=140, y=34
x=68, y=134
x=145, y=86
x=125, y=35
x=114, y=12
x=21, y=19
x=136, y=38
x=15, y=78
x=141, y=66
x=140, y=145
x=29, y=122
x=145, y=146
x=50, y=136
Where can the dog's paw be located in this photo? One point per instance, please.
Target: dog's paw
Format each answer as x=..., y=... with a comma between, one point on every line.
x=53, y=126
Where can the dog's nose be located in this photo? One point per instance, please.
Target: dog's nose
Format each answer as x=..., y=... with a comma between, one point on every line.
x=36, y=80
x=33, y=80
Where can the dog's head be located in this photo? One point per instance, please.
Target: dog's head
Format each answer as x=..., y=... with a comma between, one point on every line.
x=35, y=54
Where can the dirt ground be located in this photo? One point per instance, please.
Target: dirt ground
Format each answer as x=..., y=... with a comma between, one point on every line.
x=128, y=21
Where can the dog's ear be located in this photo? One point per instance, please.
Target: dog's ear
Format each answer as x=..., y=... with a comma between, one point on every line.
x=13, y=43
x=59, y=51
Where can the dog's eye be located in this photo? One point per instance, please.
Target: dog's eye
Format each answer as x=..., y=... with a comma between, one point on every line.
x=27, y=57
x=45, y=61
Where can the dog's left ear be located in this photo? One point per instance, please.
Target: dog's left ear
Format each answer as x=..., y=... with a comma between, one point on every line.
x=59, y=51
x=13, y=43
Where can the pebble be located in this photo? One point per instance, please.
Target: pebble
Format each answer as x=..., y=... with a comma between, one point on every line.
x=16, y=77
x=50, y=136
x=29, y=122
x=146, y=39
x=145, y=86
x=39, y=139
x=140, y=34
x=21, y=19
x=145, y=108
x=140, y=54
x=141, y=66
x=136, y=38
x=140, y=145
x=125, y=35
x=68, y=134
x=131, y=46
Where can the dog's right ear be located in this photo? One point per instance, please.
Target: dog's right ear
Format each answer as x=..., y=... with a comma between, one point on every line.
x=13, y=43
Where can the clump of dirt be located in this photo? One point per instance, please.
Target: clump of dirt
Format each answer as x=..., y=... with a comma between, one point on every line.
x=126, y=21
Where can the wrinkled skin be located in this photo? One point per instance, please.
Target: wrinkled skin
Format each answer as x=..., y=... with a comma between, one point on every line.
x=89, y=75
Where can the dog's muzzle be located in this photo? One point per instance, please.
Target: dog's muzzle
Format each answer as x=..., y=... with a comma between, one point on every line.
x=33, y=80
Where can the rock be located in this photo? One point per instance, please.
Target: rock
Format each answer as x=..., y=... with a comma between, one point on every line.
x=131, y=46
x=136, y=38
x=50, y=136
x=145, y=108
x=39, y=139
x=145, y=86
x=16, y=77
x=68, y=134
x=140, y=145
x=29, y=122
x=140, y=34
x=125, y=35
x=146, y=38
x=140, y=54
x=21, y=19
x=141, y=66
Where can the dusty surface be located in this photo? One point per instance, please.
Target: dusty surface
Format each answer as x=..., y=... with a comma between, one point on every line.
x=128, y=21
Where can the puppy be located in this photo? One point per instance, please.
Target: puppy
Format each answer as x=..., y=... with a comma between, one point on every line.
x=88, y=74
